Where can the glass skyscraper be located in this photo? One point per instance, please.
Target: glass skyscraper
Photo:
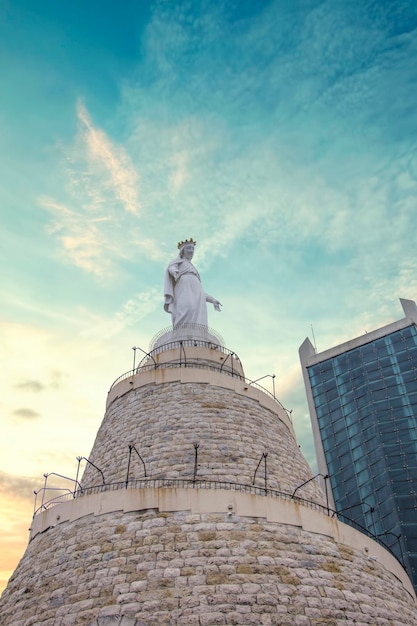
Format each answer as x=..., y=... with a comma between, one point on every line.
x=362, y=397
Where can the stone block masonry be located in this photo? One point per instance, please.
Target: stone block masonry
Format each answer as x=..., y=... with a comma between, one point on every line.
x=184, y=568
x=164, y=421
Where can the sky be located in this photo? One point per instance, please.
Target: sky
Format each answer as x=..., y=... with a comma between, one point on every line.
x=280, y=134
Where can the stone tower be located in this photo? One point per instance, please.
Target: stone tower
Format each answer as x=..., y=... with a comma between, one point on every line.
x=197, y=508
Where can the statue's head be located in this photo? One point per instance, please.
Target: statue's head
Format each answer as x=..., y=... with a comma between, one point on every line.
x=186, y=248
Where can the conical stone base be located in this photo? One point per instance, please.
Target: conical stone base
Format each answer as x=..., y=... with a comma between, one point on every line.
x=197, y=508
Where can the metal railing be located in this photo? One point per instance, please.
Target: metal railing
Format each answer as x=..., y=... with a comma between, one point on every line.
x=199, y=328
x=180, y=345
x=213, y=366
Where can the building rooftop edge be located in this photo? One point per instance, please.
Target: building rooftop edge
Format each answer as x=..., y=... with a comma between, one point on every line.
x=309, y=356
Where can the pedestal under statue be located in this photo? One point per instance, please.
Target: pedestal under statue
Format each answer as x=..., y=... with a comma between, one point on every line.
x=185, y=298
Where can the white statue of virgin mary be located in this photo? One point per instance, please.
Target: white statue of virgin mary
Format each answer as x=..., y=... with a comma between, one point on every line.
x=185, y=297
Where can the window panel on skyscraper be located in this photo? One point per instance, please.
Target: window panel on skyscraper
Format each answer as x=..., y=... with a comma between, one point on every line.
x=370, y=371
x=374, y=380
x=344, y=379
x=357, y=376
x=394, y=379
x=333, y=405
x=328, y=384
x=345, y=456
x=411, y=375
x=327, y=430
x=397, y=339
x=333, y=466
x=412, y=436
x=397, y=402
x=318, y=389
x=326, y=370
x=380, y=480
x=367, y=494
x=387, y=513
x=353, y=358
x=361, y=390
x=320, y=398
x=398, y=475
x=404, y=428
x=351, y=490
x=387, y=429
x=382, y=405
x=408, y=515
x=412, y=542
x=375, y=454
x=404, y=363
x=374, y=385
x=404, y=488
x=358, y=441
x=350, y=417
x=347, y=474
x=347, y=398
x=397, y=463
x=338, y=424
x=378, y=394
x=357, y=453
x=412, y=396
x=363, y=476
x=366, y=414
x=363, y=401
x=337, y=414
x=390, y=449
x=314, y=379
x=332, y=393
x=362, y=464
x=327, y=445
x=378, y=467
x=385, y=363
x=411, y=388
x=321, y=412
x=353, y=429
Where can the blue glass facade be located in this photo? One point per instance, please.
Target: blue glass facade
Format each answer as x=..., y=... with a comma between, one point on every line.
x=366, y=405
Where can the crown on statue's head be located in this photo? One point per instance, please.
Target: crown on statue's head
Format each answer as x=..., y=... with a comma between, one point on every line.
x=183, y=243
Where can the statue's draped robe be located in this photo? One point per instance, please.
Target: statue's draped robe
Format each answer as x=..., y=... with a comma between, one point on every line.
x=185, y=297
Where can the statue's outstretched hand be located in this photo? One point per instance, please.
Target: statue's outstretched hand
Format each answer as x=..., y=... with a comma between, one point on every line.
x=214, y=302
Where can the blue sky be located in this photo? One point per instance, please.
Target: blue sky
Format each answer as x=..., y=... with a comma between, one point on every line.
x=281, y=135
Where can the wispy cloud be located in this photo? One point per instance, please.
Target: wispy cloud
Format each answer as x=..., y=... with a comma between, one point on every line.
x=16, y=486
x=27, y=414
x=81, y=236
x=31, y=385
x=109, y=160
x=132, y=312
x=96, y=216
x=180, y=171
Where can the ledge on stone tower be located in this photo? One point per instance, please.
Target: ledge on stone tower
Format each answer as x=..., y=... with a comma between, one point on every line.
x=190, y=345
x=194, y=353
